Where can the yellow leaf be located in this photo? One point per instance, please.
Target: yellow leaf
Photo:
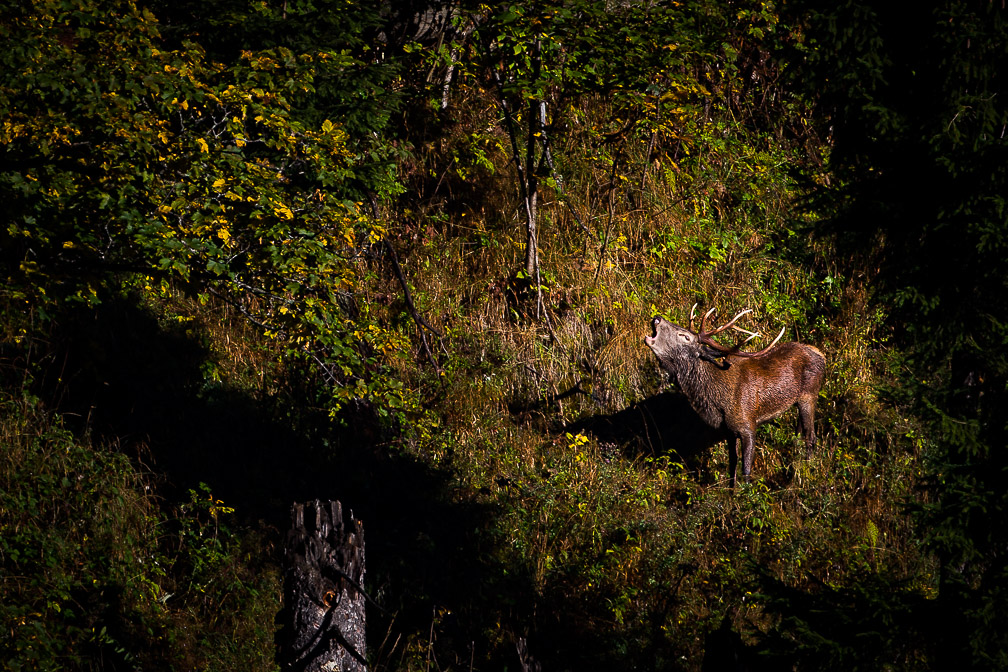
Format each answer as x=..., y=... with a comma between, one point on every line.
x=218, y=183
x=203, y=145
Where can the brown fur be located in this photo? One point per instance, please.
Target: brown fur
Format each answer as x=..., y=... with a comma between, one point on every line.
x=737, y=393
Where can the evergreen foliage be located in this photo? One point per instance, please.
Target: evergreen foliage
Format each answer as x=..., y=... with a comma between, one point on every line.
x=920, y=155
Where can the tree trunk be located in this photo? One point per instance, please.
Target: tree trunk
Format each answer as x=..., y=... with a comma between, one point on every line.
x=322, y=620
x=532, y=179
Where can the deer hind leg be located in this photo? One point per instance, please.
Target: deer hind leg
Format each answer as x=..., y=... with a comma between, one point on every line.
x=806, y=424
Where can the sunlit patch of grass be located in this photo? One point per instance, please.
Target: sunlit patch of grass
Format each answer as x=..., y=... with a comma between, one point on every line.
x=642, y=547
x=637, y=552
x=237, y=352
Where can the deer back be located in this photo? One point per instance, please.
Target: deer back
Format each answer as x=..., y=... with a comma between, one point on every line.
x=767, y=385
x=731, y=388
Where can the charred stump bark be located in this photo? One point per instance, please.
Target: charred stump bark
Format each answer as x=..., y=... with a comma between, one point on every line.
x=322, y=620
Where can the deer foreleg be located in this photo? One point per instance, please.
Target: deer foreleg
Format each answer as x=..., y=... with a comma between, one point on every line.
x=732, y=460
x=748, y=453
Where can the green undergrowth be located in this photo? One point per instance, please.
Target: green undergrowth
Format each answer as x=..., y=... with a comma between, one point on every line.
x=97, y=570
x=631, y=552
x=526, y=475
x=599, y=550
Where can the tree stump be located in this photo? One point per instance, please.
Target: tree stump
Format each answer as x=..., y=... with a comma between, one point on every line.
x=322, y=620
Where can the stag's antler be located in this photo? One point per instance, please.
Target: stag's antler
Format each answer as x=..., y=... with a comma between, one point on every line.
x=705, y=337
x=703, y=319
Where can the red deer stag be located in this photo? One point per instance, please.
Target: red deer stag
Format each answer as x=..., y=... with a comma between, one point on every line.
x=736, y=391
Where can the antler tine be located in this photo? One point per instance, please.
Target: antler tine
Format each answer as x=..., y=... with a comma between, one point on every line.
x=767, y=348
x=692, y=313
x=729, y=324
x=750, y=334
x=706, y=337
x=774, y=341
x=700, y=329
x=761, y=352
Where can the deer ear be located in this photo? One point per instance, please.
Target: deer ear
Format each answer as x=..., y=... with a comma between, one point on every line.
x=707, y=356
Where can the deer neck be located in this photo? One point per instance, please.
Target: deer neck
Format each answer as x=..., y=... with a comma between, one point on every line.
x=702, y=384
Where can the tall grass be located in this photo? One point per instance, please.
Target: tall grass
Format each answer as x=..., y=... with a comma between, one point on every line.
x=637, y=556
x=597, y=552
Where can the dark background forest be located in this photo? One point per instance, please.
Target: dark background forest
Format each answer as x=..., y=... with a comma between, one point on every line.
x=405, y=255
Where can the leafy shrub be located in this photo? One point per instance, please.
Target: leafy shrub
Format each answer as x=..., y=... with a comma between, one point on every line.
x=82, y=570
x=92, y=579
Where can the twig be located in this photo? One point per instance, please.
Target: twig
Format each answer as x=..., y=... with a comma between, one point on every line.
x=419, y=319
x=612, y=215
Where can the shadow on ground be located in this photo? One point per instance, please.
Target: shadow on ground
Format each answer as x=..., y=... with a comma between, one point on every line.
x=139, y=386
x=664, y=424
